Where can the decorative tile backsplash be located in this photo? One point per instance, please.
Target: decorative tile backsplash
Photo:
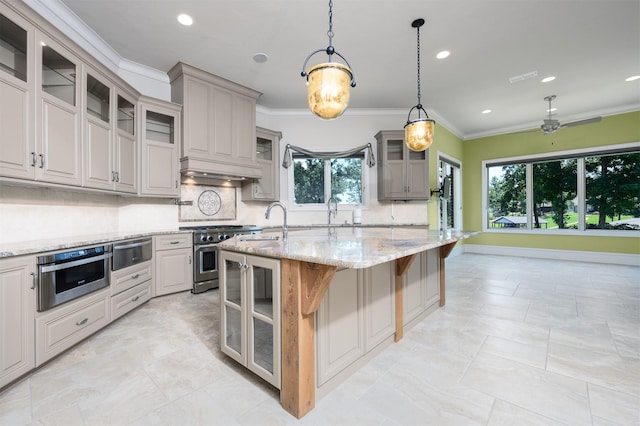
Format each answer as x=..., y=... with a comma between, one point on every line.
x=205, y=203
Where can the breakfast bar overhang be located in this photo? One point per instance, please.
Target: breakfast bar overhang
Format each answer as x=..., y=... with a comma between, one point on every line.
x=309, y=260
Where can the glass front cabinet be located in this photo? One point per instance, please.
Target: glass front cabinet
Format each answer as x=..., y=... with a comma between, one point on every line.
x=159, y=132
x=403, y=174
x=250, y=312
x=266, y=188
x=16, y=106
x=57, y=98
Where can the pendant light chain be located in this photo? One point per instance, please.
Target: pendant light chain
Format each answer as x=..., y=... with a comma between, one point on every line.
x=330, y=32
x=419, y=95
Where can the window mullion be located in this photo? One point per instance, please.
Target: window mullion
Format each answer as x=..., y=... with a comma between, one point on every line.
x=327, y=180
x=529, y=185
x=581, y=189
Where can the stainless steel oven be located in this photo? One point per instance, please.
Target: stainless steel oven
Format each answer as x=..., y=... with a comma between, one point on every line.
x=205, y=252
x=68, y=275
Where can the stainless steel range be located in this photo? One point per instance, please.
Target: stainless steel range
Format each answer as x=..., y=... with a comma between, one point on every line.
x=205, y=252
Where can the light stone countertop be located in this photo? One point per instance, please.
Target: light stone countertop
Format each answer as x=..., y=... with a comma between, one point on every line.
x=41, y=246
x=348, y=247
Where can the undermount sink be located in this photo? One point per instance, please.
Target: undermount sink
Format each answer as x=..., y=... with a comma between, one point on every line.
x=260, y=238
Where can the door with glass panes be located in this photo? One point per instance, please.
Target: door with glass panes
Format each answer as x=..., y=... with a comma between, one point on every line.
x=250, y=312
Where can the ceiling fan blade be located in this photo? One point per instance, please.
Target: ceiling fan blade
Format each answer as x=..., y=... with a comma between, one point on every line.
x=581, y=122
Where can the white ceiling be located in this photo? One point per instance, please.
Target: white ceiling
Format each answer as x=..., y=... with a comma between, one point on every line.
x=590, y=46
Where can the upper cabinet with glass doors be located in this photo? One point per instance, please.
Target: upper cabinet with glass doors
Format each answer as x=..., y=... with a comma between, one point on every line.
x=59, y=135
x=16, y=106
x=266, y=188
x=403, y=174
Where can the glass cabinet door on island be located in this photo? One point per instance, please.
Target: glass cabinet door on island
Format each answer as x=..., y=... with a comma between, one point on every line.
x=250, y=313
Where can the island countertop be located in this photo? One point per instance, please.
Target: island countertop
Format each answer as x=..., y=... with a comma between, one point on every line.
x=344, y=247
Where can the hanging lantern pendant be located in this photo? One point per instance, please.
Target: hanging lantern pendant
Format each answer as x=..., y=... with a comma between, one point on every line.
x=418, y=133
x=329, y=83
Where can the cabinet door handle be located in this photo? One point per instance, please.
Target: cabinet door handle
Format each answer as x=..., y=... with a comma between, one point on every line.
x=189, y=260
x=117, y=176
x=135, y=299
x=176, y=183
x=33, y=281
x=133, y=277
x=174, y=242
x=42, y=161
x=34, y=159
x=84, y=321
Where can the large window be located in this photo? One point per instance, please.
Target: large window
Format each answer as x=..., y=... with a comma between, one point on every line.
x=589, y=191
x=316, y=180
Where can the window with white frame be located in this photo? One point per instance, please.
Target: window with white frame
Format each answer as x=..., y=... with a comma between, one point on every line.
x=316, y=180
x=590, y=190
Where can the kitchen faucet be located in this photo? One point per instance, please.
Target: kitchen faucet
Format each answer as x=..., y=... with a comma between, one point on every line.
x=285, y=229
x=329, y=210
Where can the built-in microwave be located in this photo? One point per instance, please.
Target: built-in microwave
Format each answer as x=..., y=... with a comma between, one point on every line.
x=68, y=275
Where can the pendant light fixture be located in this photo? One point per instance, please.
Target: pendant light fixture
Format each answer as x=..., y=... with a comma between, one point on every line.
x=329, y=83
x=418, y=133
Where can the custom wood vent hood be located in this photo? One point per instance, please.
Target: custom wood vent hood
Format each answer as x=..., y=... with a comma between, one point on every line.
x=218, y=124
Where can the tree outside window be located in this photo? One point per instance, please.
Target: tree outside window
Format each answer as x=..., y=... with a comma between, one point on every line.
x=610, y=192
x=315, y=178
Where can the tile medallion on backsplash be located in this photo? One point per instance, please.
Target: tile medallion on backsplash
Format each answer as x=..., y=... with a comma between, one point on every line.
x=202, y=203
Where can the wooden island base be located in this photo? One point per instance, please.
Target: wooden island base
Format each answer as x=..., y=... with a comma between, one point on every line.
x=304, y=285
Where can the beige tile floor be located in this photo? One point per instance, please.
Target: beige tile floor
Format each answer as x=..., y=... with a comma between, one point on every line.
x=520, y=342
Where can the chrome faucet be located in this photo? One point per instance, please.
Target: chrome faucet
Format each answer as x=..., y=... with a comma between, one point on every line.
x=330, y=211
x=285, y=229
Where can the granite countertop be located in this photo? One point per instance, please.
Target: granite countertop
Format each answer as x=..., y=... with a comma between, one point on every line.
x=344, y=247
x=40, y=246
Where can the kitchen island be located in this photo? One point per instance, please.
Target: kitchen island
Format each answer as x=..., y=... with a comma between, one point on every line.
x=309, y=260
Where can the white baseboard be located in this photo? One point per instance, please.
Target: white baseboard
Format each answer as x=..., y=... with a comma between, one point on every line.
x=580, y=256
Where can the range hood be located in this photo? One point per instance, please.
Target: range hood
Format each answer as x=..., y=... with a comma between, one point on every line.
x=193, y=167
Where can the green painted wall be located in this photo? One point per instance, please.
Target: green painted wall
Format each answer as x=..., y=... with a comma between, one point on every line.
x=611, y=130
x=445, y=142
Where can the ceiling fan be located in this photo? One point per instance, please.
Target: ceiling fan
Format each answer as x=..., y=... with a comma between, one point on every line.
x=550, y=125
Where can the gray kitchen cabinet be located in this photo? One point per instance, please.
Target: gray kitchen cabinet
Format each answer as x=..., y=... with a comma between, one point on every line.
x=379, y=291
x=340, y=327
x=17, y=85
x=266, y=188
x=219, y=123
x=62, y=327
x=421, y=286
x=160, y=138
x=173, y=257
x=17, y=312
x=110, y=152
x=403, y=174
x=58, y=135
x=131, y=287
x=250, y=313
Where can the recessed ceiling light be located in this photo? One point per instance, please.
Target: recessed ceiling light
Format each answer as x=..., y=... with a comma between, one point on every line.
x=443, y=54
x=632, y=78
x=260, y=58
x=185, y=19
x=548, y=79
x=486, y=111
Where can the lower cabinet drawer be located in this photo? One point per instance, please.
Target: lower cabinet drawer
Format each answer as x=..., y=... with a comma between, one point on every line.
x=62, y=327
x=130, y=299
x=131, y=276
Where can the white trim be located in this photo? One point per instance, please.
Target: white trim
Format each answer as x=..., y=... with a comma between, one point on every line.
x=572, y=255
